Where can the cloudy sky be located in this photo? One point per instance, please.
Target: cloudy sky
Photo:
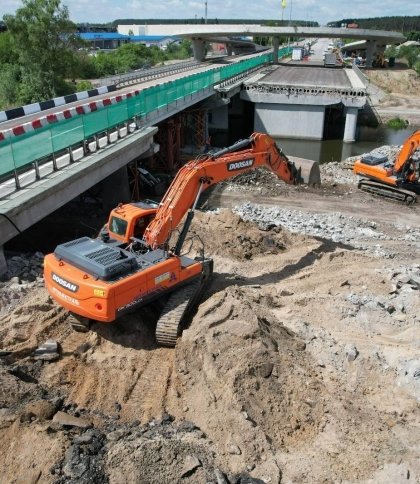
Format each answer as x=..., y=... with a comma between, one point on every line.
x=321, y=11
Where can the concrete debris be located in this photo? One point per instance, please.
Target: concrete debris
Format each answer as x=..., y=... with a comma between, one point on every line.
x=351, y=352
x=191, y=463
x=234, y=449
x=67, y=420
x=48, y=351
x=220, y=477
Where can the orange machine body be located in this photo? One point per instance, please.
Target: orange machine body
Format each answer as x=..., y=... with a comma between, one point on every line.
x=404, y=171
x=90, y=297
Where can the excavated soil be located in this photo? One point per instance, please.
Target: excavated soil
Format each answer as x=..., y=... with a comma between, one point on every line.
x=301, y=364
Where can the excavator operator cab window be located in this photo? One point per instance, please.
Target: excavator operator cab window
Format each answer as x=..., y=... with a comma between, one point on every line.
x=118, y=226
x=141, y=225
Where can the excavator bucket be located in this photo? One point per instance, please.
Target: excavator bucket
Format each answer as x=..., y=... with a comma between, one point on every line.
x=309, y=170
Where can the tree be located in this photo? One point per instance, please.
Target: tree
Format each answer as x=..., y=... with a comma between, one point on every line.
x=9, y=82
x=42, y=37
x=410, y=53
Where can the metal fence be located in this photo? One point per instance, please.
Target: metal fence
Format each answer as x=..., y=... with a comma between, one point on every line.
x=17, y=152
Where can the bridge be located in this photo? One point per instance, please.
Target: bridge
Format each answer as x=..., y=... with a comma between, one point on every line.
x=201, y=34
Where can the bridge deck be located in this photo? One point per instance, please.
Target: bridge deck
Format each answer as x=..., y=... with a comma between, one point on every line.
x=307, y=76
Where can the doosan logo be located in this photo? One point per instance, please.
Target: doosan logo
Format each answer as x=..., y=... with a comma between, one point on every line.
x=239, y=165
x=63, y=283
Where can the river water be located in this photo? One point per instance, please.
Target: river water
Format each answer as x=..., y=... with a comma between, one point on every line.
x=335, y=150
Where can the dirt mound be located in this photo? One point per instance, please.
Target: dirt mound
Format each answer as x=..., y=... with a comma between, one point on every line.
x=226, y=234
x=259, y=387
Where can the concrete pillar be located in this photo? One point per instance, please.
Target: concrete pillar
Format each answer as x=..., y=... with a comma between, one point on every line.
x=3, y=263
x=115, y=189
x=290, y=120
x=199, y=49
x=276, y=43
x=370, y=50
x=229, y=49
x=350, y=126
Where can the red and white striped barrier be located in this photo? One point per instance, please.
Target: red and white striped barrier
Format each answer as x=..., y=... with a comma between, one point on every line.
x=66, y=114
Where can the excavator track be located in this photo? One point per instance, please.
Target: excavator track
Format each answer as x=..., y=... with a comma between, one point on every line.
x=178, y=306
x=382, y=190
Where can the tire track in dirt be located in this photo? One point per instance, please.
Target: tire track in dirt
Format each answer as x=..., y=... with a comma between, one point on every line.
x=146, y=396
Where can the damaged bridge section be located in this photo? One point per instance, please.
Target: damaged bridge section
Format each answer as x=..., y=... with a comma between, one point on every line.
x=291, y=101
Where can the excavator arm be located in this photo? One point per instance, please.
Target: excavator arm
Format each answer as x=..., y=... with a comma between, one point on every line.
x=404, y=163
x=198, y=175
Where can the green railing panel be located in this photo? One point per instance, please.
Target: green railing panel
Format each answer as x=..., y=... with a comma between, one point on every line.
x=135, y=105
x=7, y=163
x=117, y=114
x=171, y=92
x=150, y=99
x=95, y=122
x=32, y=146
x=67, y=133
x=24, y=149
x=161, y=96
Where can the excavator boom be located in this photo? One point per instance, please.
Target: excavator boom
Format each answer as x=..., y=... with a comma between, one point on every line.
x=260, y=150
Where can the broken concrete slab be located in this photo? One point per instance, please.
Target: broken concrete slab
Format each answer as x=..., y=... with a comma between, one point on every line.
x=67, y=420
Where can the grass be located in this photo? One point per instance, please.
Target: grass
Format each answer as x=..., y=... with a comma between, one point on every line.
x=397, y=123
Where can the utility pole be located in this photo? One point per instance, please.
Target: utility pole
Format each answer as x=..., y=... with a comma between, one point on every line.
x=291, y=7
x=205, y=15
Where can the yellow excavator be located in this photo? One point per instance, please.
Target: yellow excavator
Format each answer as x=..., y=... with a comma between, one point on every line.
x=399, y=180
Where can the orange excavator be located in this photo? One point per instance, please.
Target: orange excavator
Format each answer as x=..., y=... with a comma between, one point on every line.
x=399, y=180
x=130, y=264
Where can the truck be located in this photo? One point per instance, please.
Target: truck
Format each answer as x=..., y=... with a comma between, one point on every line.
x=133, y=261
x=399, y=180
x=297, y=53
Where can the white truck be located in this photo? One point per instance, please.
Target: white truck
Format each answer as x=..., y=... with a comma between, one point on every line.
x=297, y=53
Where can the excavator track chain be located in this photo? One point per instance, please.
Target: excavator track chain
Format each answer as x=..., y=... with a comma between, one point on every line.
x=382, y=190
x=178, y=306
x=79, y=323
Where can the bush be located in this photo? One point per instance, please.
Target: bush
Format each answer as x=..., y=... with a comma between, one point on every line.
x=410, y=54
x=83, y=86
x=397, y=123
x=416, y=67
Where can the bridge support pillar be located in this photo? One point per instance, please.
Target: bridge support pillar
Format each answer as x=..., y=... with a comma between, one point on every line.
x=115, y=189
x=229, y=49
x=3, y=263
x=276, y=43
x=350, y=126
x=370, y=51
x=199, y=48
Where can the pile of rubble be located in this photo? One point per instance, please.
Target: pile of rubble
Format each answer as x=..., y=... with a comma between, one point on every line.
x=349, y=230
x=24, y=274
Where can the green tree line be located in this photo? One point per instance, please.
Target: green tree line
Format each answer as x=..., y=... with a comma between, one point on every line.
x=406, y=25
x=42, y=56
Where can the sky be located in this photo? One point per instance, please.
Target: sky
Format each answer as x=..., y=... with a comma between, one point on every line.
x=321, y=11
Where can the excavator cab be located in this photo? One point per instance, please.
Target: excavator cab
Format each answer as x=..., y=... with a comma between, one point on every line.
x=130, y=220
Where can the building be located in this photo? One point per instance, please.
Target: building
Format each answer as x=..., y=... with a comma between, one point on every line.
x=104, y=40
x=113, y=40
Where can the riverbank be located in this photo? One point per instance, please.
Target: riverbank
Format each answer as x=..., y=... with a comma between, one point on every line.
x=395, y=93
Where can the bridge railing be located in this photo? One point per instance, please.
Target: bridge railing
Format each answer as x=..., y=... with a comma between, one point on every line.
x=18, y=152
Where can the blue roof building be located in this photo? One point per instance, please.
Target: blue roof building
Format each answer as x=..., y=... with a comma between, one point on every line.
x=113, y=40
